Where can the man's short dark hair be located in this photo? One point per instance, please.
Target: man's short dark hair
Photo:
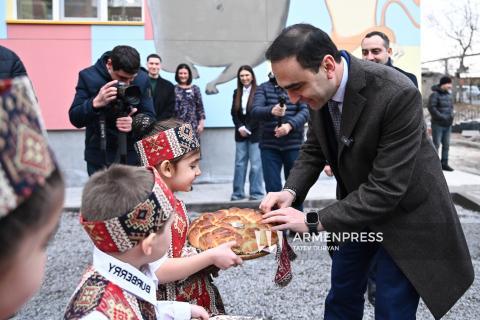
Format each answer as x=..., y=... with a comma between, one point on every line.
x=386, y=41
x=305, y=42
x=184, y=66
x=154, y=55
x=125, y=58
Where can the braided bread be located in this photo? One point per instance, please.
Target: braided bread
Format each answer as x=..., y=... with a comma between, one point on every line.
x=214, y=228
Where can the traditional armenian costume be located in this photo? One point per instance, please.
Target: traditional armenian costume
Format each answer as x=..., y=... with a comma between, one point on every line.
x=26, y=160
x=198, y=288
x=112, y=289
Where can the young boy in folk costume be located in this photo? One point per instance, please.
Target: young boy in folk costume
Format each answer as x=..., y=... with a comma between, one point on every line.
x=173, y=148
x=125, y=211
x=31, y=195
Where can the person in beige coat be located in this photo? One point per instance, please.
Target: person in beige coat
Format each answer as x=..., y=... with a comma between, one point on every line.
x=366, y=120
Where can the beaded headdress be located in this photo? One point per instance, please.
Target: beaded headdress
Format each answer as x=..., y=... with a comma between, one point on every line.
x=122, y=233
x=167, y=145
x=25, y=158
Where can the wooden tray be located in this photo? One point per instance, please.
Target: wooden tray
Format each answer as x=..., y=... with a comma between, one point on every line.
x=253, y=255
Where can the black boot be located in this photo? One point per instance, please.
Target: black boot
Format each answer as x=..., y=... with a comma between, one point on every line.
x=446, y=167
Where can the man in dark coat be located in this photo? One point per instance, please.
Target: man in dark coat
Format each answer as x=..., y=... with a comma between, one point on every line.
x=95, y=100
x=10, y=64
x=163, y=92
x=440, y=106
x=366, y=120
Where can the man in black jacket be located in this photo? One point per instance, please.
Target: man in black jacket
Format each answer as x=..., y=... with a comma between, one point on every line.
x=376, y=48
x=440, y=106
x=96, y=93
x=10, y=64
x=163, y=93
x=281, y=134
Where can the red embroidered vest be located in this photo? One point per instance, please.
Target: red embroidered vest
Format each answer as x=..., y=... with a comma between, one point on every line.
x=95, y=293
x=198, y=288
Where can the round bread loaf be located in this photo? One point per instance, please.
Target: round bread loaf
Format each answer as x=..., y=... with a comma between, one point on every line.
x=242, y=225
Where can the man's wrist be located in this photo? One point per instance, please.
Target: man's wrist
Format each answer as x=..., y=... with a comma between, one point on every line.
x=292, y=192
x=95, y=103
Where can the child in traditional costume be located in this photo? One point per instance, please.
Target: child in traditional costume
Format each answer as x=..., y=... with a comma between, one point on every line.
x=173, y=148
x=31, y=195
x=126, y=211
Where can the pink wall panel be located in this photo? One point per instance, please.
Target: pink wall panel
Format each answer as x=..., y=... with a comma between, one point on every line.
x=148, y=22
x=53, y=56
x=48, y=31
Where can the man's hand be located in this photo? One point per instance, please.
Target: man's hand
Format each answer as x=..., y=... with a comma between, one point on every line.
x=124, y=124
x=280, y=199
x=201, y=126
x=198, y=312
x=278, y=111
x=283, y=130
x=286, y=219
x=223, y=257
x=328, y=170
x=107, y=94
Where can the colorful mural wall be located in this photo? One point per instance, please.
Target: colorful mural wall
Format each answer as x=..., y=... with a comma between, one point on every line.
x=214, y=36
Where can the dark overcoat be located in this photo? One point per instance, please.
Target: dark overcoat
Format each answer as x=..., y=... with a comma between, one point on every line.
x=389, y=179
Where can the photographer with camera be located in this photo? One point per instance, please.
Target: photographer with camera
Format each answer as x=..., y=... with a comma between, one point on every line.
x=107, y=95
x=282, y=131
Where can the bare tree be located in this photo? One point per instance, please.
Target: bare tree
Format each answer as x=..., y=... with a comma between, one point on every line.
x=459, y=24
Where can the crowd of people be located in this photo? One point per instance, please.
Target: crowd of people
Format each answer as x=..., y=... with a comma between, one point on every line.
x=365, y=122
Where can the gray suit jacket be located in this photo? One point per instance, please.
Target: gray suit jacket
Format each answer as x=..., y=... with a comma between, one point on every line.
x=390, y=180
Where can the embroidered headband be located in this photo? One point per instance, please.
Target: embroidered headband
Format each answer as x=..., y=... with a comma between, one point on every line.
x=26, y=160
x=122, y=233
x=167, y=145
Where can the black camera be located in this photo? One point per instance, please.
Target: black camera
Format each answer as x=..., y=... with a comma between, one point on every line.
x=128, y=96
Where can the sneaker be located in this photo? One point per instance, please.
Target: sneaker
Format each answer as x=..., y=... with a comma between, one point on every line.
x=446, y=167
x=256, y=198
x=236, y=198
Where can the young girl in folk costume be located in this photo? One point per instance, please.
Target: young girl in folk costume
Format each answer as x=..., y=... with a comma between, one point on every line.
x=31, y=195
x=173, y=148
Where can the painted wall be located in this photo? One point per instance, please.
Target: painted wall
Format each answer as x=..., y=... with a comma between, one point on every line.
x=209, y=34
x=54, y=54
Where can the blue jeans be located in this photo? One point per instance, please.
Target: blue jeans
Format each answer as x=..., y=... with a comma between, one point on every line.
x=245, y=151
x=395, y=298
x=441, y=134
x=272, y=162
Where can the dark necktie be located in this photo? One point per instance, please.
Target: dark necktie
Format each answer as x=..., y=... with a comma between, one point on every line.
x=335, y=115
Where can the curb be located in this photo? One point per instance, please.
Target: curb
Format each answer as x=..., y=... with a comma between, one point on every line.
x=471, y=144
x=205, y=207
x=465, y=201
x=459, y=198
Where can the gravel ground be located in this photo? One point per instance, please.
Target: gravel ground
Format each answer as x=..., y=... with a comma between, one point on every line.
x=247, y=290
